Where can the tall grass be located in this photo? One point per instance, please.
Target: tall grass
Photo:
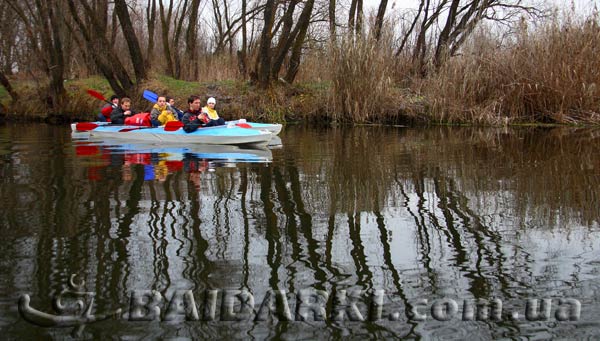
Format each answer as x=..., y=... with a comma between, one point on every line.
x=361, y=75
x=548, y=75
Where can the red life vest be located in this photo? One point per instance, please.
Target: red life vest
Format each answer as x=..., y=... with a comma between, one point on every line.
x=141, y=120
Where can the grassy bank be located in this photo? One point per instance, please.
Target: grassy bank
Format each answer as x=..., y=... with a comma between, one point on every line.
x=549, y=74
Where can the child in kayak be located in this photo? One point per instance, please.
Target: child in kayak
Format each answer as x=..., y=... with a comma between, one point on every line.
x=171, y=105
x=209, y=110
x=160, y=114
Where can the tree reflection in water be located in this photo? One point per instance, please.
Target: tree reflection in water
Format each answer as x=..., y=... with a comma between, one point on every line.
x=464, y=213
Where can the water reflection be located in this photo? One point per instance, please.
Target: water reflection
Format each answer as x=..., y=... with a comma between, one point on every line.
x=419, y=213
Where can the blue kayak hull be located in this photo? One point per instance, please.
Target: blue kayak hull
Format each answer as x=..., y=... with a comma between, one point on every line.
x=222, y=135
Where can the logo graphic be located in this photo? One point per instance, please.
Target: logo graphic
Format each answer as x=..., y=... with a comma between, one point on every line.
x=73, y=308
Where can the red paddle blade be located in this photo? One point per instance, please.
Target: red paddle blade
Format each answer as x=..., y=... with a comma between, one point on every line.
x=85, y=126
x=243, y=125
x=96, y=94
x=173, y=125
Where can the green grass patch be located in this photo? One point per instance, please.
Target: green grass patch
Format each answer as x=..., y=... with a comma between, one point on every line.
x=97, y=83
x=177, y=86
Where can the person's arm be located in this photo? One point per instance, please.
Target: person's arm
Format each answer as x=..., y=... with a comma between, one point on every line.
x=190, y=125
x=154, y=114
x=116, y=116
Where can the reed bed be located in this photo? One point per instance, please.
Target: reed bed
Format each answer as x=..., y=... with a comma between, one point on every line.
x=549, y=75
x=362, y=87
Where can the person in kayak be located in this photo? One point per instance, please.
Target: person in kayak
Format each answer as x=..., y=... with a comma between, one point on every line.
x=171, y=104
x=193, y=118
x=106, y=109
x=160, y=114
x=118, y=114
x=209, y=110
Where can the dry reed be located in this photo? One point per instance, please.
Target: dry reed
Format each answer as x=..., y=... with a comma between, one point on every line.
x=361, y=71
x=549, y=75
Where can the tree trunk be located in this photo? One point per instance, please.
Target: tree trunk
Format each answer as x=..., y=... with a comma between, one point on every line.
x=442, y=45
x=220, y=38
x=331, y=12
x=379, y=18
x=286, y=39
x=411, y=29
x=57, y=69
x=242, y=54
x=151, y=17
x=352, y=16
x=359, y=17
x=303, y=23
x=6, y=84
x=165, y=24
x=420, y=47
x=132, y=42
x=107, y=61
x=51, y=42
x=190, y=40
x=176, y=40
x=263, y=60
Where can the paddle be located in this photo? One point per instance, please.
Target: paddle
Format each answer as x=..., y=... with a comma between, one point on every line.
x=99, y=96
x=151, y=96
x=124, y=130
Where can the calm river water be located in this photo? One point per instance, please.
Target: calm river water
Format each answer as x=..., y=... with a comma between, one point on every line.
x=362, y=232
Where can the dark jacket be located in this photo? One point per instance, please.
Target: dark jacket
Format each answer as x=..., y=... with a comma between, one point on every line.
x=191, y=121
x=117, y=116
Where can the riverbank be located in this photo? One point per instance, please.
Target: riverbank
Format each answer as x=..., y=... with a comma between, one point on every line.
x=299, y=103
x=304, y=102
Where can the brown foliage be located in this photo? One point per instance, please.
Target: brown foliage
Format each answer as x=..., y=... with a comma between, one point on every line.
x=550, y=76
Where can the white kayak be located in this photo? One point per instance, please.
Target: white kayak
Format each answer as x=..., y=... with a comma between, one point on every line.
x=273, y=128
x=228, y=134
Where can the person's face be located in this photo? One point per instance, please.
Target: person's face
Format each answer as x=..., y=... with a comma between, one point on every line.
x=115, y=101
x=126, y=106
x=161, y=101
x=172, y=101
x=211, y=105
x=195, y=105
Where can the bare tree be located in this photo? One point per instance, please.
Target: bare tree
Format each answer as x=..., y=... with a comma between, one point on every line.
x=108, y=62
x=262, y=73
x=165, y=24
x=242, y=53
x=290, y=37
x=331, y=13
x=151, y=18
x=379, y=18
x=135, y=51
x=356, y=17
x=45, y=31
x=446, y=24
x=191, y=39
x=300, y=35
